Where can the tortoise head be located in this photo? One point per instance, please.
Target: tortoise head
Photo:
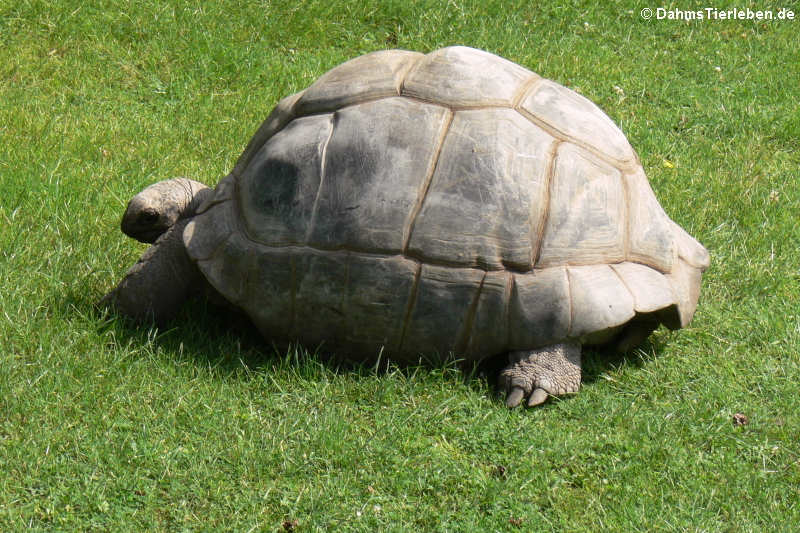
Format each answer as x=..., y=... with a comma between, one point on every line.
x=158, y=207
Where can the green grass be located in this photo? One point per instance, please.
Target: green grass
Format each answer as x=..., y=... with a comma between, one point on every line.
x=111, y=427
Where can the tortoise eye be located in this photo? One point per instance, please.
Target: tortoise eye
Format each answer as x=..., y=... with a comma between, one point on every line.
x=148, y=217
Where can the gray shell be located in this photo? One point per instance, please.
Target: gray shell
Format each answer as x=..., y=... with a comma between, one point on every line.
x=453, y=201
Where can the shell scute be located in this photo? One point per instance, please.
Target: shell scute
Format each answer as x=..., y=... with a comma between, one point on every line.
x=539, y=309
x=377, y=161
x=278, y=188
x=459, y=76
x=439, y=319
x=371, y=76
x=600, y=301
x=586, y=221
x=488, y=193
x=577, y=118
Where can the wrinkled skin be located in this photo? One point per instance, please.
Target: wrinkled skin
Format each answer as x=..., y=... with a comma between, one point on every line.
x=158, y=207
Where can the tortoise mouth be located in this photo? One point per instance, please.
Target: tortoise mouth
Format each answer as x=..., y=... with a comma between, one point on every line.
x=150, y=236
x=143, y=225
x=147, y=235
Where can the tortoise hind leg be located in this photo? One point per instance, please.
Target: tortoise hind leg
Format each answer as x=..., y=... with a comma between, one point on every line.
x=635, y=333
x=537, y=374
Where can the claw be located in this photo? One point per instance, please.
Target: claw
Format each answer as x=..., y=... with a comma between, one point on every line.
x=549, y=371
x=514, y=398
x=538, y=397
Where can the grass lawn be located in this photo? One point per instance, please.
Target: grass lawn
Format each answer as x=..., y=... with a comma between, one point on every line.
x=106, y=426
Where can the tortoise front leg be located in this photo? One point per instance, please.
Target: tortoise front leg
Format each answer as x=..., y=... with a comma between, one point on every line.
x=159, y=283
x=538, y=374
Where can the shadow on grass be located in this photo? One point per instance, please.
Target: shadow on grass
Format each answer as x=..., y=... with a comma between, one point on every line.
x=202, y=332
x=220, y=338
x=598, y=361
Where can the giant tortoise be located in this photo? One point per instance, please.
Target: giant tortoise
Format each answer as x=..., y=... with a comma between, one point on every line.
x=449, y=203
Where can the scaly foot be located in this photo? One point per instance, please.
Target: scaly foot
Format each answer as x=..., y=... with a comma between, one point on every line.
x=538, y=374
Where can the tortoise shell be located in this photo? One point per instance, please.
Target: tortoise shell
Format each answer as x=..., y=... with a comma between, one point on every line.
x=448, y=202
